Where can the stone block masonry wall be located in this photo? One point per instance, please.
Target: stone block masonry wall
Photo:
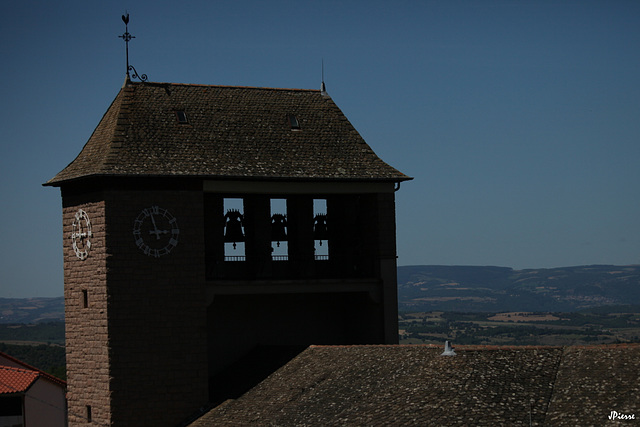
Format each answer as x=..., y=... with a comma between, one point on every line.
x=86, y=317
x=157, y=312
x=136, y=324
x=386, y=230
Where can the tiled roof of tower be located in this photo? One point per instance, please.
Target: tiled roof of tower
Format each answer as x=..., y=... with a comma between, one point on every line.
x=230, y=132
x=415, y=385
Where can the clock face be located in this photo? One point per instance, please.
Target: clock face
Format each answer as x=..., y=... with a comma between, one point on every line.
x=155, y=231
x=81, y=234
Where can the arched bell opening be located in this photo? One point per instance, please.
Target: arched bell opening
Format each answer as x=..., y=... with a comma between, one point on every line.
x=297, y=236
x=320, y=230
x=279, y=230
x=234, y=230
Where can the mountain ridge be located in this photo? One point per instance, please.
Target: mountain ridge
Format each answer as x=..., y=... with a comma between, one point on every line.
x=497, y=289
x=31, y=310
x=453, y=288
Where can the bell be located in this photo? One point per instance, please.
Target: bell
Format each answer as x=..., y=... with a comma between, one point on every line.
x=233, y=227
x=278, y=228
x=320, y=228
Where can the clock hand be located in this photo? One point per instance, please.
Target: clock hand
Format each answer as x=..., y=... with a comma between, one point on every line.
x=79, y=234
x=155, y=228
x=158, y=232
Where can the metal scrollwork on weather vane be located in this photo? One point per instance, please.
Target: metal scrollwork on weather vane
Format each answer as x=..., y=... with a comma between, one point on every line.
x=127, y=37
x=134, y=75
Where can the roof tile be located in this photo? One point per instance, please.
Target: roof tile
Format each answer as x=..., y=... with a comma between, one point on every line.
x=233, y=132
x=16, y=380
x=415, y=385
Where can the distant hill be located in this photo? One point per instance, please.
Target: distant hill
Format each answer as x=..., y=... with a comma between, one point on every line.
x=452, y=288
x=496, y=289
x=31, y=310
x=50, y=333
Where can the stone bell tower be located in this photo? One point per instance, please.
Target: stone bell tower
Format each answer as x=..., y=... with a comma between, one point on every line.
x=202, y=222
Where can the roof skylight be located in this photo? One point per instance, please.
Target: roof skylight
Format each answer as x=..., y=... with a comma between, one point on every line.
x=293, y=121
x=182, y=116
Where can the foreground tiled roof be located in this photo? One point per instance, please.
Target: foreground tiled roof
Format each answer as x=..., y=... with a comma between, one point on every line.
x=232, y=132
x=593, y=381
x=16, y=380
x=415, y=385
x=16, y=370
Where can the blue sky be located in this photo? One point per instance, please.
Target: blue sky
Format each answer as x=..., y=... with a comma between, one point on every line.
x=519, y=120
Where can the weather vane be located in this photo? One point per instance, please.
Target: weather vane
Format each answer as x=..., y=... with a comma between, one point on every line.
x=127, y=37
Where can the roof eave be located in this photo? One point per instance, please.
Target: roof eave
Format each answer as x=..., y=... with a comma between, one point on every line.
x=61, y=182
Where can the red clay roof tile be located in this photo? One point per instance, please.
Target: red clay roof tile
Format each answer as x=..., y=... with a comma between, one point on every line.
x=16, y=380
x=8, y=361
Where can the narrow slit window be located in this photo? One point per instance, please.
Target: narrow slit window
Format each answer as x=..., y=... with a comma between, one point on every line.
x=182, y=116
x=293, y=121
x=85, y=298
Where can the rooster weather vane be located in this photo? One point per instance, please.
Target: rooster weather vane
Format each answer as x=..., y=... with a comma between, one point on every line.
x=127, y=37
